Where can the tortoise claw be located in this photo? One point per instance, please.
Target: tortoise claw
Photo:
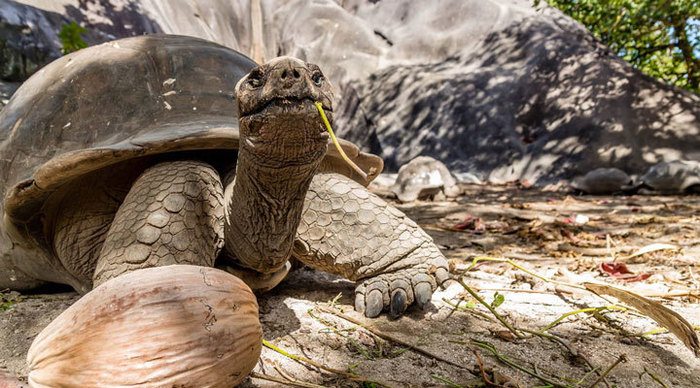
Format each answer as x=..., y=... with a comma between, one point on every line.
x=422, y=292
x=398, y=303
x=375, y=304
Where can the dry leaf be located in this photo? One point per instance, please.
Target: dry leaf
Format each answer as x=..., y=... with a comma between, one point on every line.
x=471, y=223
x=621, y=272
x=653, y=248
x=664, y=316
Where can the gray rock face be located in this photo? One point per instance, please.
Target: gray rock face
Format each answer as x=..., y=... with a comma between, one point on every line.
x=540, y=100
x=490, y=87
x=7, y=89
x=424, y=177
x=29, y=30
x=28, y=40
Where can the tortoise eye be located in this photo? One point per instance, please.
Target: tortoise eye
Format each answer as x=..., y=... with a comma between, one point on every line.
x=255, y=78
x=317, y=78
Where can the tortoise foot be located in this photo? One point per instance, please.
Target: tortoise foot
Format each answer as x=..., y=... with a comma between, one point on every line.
x=396, y=291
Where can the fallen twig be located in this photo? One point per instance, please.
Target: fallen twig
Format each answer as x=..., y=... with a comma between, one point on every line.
x=302, y=359
x=467, y=309
x=593, y=310
x=498, y=316
x=582, y=379
x=516, y=290
x=534, y=373
x=622, y=358
x=654, y=377
x=446, y=381
x=480, y=364
x=514, y=264
x=284, y=381
x=390, y=337
x=540, y=333
x=574, y=352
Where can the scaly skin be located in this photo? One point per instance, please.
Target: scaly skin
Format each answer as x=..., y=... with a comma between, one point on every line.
x=173, y=214
x=282, y=145
x=348, y=231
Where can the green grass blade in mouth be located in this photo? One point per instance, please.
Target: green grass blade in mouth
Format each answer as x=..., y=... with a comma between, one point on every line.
x=335, y=142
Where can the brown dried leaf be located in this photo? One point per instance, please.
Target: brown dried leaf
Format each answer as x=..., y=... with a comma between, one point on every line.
x=505, y=335
x=664, y=316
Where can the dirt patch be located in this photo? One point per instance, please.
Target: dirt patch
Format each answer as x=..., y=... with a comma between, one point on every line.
x=553, y=235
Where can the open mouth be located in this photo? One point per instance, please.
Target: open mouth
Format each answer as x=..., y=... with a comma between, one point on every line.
x=285, y=102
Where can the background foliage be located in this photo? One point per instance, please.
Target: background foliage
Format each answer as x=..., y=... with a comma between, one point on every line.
x=659, y=37
x=71, y=39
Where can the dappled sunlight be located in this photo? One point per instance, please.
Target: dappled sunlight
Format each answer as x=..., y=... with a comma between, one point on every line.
x=539, y=90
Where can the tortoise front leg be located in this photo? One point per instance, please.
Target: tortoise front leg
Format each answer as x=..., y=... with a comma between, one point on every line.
x=347, y=230
x=173, y=214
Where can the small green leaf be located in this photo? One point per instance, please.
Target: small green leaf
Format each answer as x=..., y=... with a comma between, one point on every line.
x=498, y=299
x=71, y=37
x=8, y=300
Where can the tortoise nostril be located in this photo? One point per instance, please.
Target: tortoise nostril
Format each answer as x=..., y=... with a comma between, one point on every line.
x=284, y=74
x=295, y=73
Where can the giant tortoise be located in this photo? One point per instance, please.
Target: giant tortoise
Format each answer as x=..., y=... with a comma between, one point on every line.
x=131, y=155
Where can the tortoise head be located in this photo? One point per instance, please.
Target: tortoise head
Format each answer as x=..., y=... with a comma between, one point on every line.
x=279, y=123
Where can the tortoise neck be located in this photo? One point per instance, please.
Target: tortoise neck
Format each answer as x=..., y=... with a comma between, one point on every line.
x=264, y=206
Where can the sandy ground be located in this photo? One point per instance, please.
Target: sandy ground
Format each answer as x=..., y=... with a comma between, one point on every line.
x=449, y=346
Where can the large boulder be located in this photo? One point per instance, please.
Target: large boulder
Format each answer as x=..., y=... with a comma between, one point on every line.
x=29, y=30
x=28, y=40
x=540, y=100
x=7, y=89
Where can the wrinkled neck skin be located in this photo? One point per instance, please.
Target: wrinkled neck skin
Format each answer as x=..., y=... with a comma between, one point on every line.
x=264, y=209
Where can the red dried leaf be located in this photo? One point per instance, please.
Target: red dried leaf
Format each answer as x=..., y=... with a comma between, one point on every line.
x=615, y=269
x=620, y=271
x=568, y=220
x=636, y=278
x=471, y=223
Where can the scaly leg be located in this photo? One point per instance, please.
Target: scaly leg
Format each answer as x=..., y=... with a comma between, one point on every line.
x=347, y=230
x=173, y=214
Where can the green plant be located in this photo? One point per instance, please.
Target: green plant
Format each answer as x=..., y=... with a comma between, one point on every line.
x=659, y=37
x=8, y=300
x=71, y=37
x=498, y=300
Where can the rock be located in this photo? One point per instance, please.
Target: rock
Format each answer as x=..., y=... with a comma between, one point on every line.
x=515, y=105
x=7, y=89
x=469, y=178
x=602, y=181
x=673, y=177
x=28, y=40
x=29, y=33
x=424, y=177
